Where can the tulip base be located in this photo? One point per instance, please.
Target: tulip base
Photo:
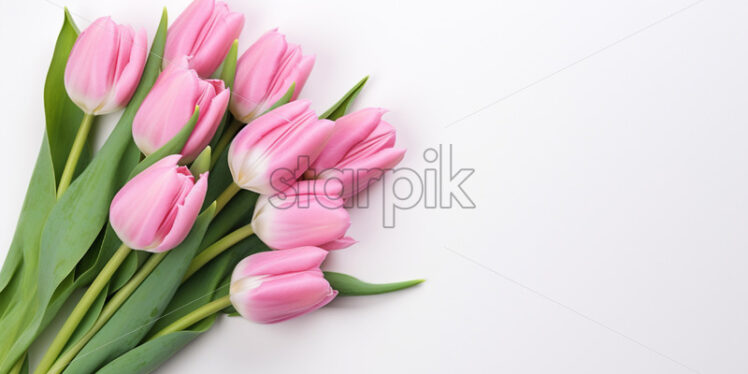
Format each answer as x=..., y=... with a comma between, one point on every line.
x=195, y=316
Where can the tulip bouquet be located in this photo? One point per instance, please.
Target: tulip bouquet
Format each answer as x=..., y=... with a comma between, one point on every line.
x=217, y=192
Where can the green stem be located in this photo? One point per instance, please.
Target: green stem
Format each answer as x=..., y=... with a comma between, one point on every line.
x=195, y=316
x=81, y=308
x=18, y=366
x=225, y=140
x=108, y=311
x=226, y=196
x=75, y=153
x=217, y=248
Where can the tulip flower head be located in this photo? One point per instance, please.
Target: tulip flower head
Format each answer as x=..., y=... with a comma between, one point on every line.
x=360, y=149
x=308, y=213
x=265, y=72
x=204, y=32
x=268, y=155
x=171, y=103
x=270, y=287
x=104, y=66
x=156, y=209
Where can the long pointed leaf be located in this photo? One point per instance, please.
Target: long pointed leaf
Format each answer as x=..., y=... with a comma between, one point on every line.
x=77, y=218
x=135, y=317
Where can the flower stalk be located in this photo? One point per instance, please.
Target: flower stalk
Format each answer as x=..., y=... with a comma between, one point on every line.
x=217, y=248
x=75, y=153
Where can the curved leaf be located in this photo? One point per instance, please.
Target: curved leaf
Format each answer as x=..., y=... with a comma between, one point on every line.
x=58, y=108
x=341, y=107
x=76, y=219
x=135, y=317
x=201, y=288
x=150, y=355
x=226, y=72
x=347, y=285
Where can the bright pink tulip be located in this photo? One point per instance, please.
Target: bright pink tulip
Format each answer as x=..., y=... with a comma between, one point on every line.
x=204, y=32
x=270, y=287
x=308, y=213
x=265, y=72
x=155, y=210
x=105, y=66
x=359, y=150
x=277, y=148
x=170, y=104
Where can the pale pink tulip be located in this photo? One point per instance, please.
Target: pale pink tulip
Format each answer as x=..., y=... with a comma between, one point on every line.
x=270, y=287
x=156, y=209
x=171, y=103
x=204, y=31
x=105, y=65
x=308, y=213
x=273, y=151
x=265, y=72
x=360, y=149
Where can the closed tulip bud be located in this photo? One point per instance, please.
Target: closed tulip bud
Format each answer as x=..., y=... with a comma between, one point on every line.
x=272, y=151
x=265, y=72
x=308, y=213
x=156, y=209
x=270, y=287
x=104, y=66
x=171, y=103
x=204, y=32
x=360, y=149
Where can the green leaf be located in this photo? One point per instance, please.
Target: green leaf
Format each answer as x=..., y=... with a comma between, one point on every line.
x=201, y=163
x=58, y=108
x=136, y=316
x=341, y=107
x=226, y=72
x=88, y=320
x=285, y=99
x=173, y=146
x=148, y=356
x=347, y=285
x=200, y=289
x=18, y=278
x=207, y=284
x=237, y=213
x=128, y=268
x=62, y=118
x=75, y=221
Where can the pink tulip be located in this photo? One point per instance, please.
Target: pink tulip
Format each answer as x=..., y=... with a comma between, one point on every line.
x=171, y=103
x=105, y=66
x=204, y=32
x=273, y=151
x=265, y=72
x=308, y=213
x=155, y=210
x=270, y=287
x=359, y=150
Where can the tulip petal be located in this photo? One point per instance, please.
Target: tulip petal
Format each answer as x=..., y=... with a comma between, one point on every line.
x=184, y=32
x=280, y=262
x=129, y=78
x=341, y=243
x=186, y=215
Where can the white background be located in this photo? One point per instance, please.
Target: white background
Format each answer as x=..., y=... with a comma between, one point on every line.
x=610, y=146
